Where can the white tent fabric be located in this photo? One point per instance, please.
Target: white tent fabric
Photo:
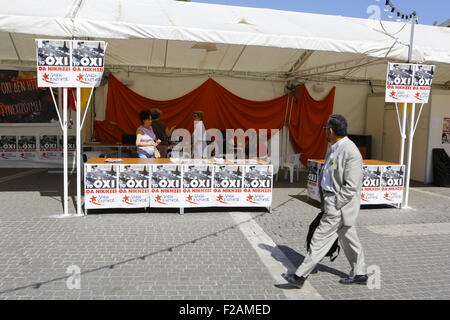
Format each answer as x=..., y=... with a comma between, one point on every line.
x=173, y=34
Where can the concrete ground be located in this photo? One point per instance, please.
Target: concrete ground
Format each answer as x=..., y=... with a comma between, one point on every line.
x=210, y=254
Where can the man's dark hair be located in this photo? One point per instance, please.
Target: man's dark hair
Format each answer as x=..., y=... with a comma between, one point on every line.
x=339, y=125
x=144, y=115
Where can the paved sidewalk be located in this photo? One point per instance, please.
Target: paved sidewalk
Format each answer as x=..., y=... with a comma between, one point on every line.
x=207, y=254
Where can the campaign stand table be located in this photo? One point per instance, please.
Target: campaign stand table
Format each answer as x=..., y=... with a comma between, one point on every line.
x=176, y=183
x=382, y=182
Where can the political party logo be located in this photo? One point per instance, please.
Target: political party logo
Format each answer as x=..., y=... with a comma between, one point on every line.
x=250, y=198
x=159, y=200
x=220, y=198
x=190, y=199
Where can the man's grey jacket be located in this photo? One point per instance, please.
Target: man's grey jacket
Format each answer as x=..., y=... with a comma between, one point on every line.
x=346, y=178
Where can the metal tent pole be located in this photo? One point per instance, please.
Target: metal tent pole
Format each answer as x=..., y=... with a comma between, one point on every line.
x=403, y=134
x=65, y=155
x=78, y=154
x=410, y=146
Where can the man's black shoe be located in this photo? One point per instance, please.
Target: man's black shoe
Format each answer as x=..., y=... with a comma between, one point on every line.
x=294, y=279
x=362, y=279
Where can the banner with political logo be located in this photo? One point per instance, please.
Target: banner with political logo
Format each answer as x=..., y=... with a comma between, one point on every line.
x=392, y=184
x=48, y=148
x=312, y=183
x=8, y=147
x=257, y=185
x=70, y=63
x=371, y=185
x=166, y=187
x=134, y=186
x=409, y=83
x=101, y=187
x=228, y=186
x=197, y=185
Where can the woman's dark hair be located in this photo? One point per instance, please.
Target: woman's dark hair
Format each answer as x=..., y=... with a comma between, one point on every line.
x=339, y=125
x=199, y=114
x=155, y=113
x=144, y=115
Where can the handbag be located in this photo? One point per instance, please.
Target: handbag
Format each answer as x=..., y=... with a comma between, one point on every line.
x=156, y=153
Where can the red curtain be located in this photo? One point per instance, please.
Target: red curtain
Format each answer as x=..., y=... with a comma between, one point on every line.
x=222, y=110
x=308, y=118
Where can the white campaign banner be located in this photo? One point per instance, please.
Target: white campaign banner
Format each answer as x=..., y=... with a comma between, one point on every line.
x=101, y=190
x=165, y=188
x=134, y=182
x=197, y=185
x=257, y=185
x=228, y=186
x=409, y=83
x=70, y=63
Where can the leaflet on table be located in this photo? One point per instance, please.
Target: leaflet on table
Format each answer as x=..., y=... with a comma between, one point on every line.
x=228, y=186
x=257, y=185
x=314, y=168
x=165, y=188
x=197, y=185
x=134, y=185
x=101, y=182
x=392, y=184
x=8, y=147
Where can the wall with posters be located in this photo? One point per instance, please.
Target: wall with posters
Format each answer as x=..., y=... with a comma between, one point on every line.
x=440, y=109
x=29, y=125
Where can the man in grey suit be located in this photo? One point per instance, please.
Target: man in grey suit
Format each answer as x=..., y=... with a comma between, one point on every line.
x=340, y=189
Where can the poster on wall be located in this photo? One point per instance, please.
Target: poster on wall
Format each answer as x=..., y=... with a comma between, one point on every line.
x=8, y=147
x=101, y=187
x=258, y=185
x=409, y=83
x=166, y=186
x=48, y=148
x=446, y=131
x=21, y=101
x=26, y=147
x=134, y=186
x=197, y=186
x=228, y=186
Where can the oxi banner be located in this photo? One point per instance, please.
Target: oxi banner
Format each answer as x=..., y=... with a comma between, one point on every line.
x=382, y=183
x=70, y=63
x=183, y=185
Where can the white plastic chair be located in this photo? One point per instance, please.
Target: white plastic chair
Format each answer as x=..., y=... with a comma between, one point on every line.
x=292, y=163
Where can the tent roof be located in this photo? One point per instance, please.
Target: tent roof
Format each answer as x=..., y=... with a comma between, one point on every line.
x=172, y=34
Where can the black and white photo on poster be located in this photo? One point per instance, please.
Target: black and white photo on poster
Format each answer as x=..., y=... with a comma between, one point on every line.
x=423, y=80
x=134, y=185
x=8, y=147
x=101, y=186
x=197, y=185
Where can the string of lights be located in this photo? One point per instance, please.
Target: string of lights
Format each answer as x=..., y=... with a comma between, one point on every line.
x=393, y=11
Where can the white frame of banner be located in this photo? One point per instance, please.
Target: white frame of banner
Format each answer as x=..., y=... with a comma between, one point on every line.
x=78, y=159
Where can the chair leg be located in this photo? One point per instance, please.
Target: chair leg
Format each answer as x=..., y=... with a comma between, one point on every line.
x=291, y=172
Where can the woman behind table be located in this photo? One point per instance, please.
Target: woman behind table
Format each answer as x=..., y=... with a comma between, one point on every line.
x=161, y=131
x=145, y=137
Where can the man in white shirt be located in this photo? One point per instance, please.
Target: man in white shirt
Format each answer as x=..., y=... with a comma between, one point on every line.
x=340, y=192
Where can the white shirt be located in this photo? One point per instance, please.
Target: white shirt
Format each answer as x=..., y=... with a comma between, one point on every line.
x=326, y=182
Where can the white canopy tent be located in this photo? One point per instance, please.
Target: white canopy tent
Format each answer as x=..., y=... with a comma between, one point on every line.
x=191, y=38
